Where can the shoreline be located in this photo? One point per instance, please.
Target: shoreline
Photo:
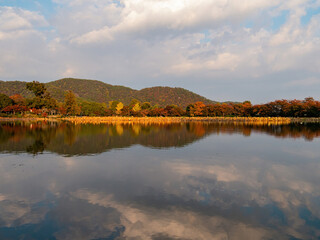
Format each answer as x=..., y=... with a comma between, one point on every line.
x=168, y=120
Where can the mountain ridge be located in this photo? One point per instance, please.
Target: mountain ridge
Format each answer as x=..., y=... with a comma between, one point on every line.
x=98, y=91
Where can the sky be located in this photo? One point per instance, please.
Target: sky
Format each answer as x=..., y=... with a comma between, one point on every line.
x=225, y=50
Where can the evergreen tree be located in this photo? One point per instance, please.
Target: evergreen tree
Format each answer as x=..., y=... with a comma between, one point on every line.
x=5, y=101
x=37, y=88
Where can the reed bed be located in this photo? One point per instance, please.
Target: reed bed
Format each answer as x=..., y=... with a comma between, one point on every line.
x=28, y=119
x=168, y=120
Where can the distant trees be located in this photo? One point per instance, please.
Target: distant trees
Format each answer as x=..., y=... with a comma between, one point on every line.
x=43, y=103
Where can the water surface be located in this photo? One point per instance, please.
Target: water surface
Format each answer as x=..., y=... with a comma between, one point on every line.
x=178, y=181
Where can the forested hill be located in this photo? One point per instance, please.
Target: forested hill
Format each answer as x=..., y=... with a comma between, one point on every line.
x=102, y=92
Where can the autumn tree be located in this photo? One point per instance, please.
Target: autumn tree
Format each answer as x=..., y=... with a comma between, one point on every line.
x=70, y=104
x=119, y=108
x=198, y=108
x=311, y=107
x=173, y=111
x=247, y=108
x=136, y=107
x=14, y=109
x=126, y=111
x=18, y=99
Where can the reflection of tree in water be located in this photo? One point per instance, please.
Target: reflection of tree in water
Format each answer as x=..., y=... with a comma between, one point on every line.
x=42, y=133
x=70, y=135
x=196, y=128
x=27, y=137
x=69, y=139
x=37, y=147
x=307, y=131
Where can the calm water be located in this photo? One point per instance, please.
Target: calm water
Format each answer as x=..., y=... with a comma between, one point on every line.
x=181, y=181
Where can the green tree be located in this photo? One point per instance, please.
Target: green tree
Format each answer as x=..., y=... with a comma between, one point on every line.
x=36, y=102
x=70, y=104
x=133, y=103
x=5, y=101
x=190, y=109
x=145, y=105
x=37, y=88
x=92, y=108
x=113, y=105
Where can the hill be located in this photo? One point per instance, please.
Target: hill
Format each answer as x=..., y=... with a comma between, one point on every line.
x=98, y=91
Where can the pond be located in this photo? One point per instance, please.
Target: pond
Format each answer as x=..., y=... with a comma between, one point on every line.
x=172, y=181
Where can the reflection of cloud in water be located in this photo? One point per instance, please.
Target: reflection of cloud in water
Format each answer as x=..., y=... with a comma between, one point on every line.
x=19, y=212
x=174, y=223
x=303, y=153
x=70, y=163
x=151, y=194
x=228, y=173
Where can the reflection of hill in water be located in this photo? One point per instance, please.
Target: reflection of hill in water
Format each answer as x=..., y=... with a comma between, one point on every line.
x=68, y=139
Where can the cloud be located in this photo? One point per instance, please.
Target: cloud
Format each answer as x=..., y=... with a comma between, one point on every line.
x=144, y=43
x=168, y=17
x=12, y=19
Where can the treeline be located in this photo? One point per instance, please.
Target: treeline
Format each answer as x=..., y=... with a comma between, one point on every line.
x=43, y=104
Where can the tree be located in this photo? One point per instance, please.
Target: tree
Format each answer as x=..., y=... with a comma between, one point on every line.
x=190, y=110
x=136, y=107
x=247, y=108
x=119, y=108
x=173, y=111
x=198, y=108
x=37, y=88
x=113, y=105
x=70, y=104
x=92, y=108
x=5, y=101
x=15, y=109
x=145, y=105
x=18, y=99
x=133, y=103
x=42, y=99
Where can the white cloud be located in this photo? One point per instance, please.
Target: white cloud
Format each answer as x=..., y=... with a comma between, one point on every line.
x=143, y=43
x=141, y=18
x=12, y=19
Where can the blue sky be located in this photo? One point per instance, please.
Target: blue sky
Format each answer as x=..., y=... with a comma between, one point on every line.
x=257, y=50
x=45, y=7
